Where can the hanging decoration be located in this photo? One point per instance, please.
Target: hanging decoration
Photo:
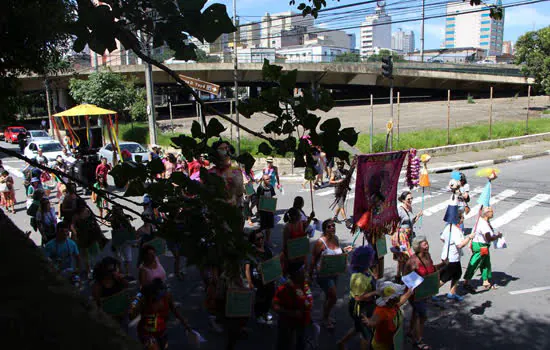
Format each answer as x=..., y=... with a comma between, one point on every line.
x=413, y=169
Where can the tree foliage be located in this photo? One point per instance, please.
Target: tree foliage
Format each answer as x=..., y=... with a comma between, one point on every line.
x=105, y=89
x=206, y=58
x=533, y=53
x=377, y=57
x=348, y=57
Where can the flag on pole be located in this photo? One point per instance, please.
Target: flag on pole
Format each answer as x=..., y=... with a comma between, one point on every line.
x=485, y=196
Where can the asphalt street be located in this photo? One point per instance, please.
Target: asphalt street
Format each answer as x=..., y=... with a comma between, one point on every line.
x=516, y=315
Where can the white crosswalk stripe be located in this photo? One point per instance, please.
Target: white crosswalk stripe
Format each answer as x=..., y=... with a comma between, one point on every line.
x=539, y=229
x=443, y=205
x=516, y=212
x=14, y=171
x=499, y=197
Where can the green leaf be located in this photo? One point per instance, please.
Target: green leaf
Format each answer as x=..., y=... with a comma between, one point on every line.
x=247, y=160
x=288, y=128
x=135, y=188
x=265, y=149
x=214, y=128
x=155, y=166
x=299, y=160
x=271, y=72
x=330, y=125
x=196, y=130
x=301, y=6
x=349, y=136
x=273, y=126
x=311, y=121
x=215, y=22
x=288, y=80
x=184, y=142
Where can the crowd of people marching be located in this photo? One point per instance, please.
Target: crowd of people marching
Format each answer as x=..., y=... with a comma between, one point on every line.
x=71, y=238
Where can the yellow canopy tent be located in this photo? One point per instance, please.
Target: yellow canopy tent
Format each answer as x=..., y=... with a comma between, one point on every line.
x=87, y=110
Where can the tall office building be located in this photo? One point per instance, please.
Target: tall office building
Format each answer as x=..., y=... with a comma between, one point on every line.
x=402, y=41
x=507, y=48
x=376, y=31
x=289, y=23
x=472, y=26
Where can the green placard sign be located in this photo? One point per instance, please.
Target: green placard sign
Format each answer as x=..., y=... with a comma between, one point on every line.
x=159, y=244
x=399, y=338
x=332, y=265
x=271, y=269
x=381, y=247
x=267, y=204
x=298, y=247
x=249, y=188
x=121, y=236
x=116, y=304
x=428, y=287
x=238, y=303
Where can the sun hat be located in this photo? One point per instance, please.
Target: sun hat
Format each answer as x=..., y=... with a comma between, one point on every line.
x=387, y=291
x=269, y=159
x=362, y=258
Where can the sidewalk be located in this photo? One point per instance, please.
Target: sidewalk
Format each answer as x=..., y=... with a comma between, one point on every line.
x=445, y=163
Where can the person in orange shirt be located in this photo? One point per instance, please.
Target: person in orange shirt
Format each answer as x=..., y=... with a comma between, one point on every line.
x=387, y=317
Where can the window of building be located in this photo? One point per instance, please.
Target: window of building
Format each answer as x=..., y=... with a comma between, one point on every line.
x=449, y=46
x=485, y=22
x=450, y=25
x=485, y=36
x=485, y=29
x=485, y=15
x=484, y=43
x=450, y=32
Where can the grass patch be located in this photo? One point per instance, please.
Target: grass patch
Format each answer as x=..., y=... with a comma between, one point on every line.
x=547, y=111
x=438, y=137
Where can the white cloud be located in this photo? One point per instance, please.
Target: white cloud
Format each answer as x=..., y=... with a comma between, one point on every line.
x=527, y=17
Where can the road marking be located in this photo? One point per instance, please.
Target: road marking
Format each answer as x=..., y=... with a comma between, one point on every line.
x=14, y=171
x=530, y=290
x=515, y=213
x=539, y=229
x=443, y=205
x=501, y=196
x=13, y=161
x=329, y=191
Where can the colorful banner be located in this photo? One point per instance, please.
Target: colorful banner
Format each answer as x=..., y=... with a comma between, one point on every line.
x=376, y=190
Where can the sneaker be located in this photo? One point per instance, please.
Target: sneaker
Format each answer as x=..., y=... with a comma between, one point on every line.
x=261, y=320
x=455, y=297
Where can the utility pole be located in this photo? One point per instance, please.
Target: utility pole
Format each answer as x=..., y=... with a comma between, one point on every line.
x=150, y=103
x=422, y=33
x=235, y=78
x=96, y=64
x=387, y=71
x=49, y=105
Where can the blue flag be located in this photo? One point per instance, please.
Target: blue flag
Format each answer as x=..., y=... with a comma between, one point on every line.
x=485, y=197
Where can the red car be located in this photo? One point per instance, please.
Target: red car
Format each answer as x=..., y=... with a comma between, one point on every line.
x=11, y=132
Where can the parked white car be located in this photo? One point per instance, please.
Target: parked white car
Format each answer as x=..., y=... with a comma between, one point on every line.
x=137, y=151
x=37, y=135
x=50, y=149
x=486, y=62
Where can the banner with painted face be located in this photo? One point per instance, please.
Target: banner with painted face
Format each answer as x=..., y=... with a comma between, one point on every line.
x=376, y=191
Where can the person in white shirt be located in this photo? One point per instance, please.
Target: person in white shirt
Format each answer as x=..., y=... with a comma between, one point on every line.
x=484, y=235
x=453, y=241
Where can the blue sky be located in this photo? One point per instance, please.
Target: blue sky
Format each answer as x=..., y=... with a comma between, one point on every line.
x=518, y=20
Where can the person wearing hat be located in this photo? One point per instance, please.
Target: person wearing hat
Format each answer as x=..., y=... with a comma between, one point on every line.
x=267, y=218
x=362, y=295
x=337, y=178
x=273, y=173
x=156, y=153
x=387, y=316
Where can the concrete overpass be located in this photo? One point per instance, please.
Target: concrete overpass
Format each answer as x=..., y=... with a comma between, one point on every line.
x=465, y=77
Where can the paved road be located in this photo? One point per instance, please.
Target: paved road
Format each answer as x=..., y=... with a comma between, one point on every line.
x=516, y=315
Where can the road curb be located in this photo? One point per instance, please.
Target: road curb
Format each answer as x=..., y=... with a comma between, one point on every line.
x=484, y=163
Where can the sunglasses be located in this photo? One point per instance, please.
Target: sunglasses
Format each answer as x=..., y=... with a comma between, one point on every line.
x=409, y=199
x=331, y=226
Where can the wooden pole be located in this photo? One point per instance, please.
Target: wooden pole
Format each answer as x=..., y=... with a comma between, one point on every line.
x=528, y=107
x=449, y=117
x=491, y=115
x=311, y=194
x=398, y=112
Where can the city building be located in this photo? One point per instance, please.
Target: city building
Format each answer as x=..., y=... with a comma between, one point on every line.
x=251, y=35
x=255, y=55
x=311, y=53
x=273, y=26
x=467, y=26
x=376, y=31
x=449, y=55
x=402, y=42
x=507, y=48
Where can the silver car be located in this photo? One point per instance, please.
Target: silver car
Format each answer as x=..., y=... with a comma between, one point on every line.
x=138, y=152
x=37, y=135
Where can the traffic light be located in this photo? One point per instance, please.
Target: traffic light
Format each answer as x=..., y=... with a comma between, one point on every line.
x=387, y=67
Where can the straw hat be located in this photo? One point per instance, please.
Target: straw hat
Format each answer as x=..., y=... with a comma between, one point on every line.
x=387, y=291
x=269, y=159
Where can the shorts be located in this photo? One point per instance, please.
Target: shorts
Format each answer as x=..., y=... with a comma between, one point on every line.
x=420, y=307
x=267, y=220
x=341, y=200
x=124, y=252
x=451, y=272
x=327, y=283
